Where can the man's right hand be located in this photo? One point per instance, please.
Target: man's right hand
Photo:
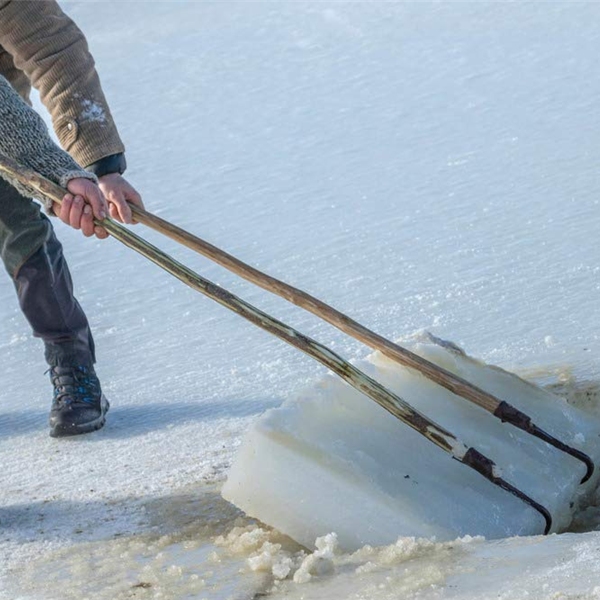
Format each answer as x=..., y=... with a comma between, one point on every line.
x=79, y=207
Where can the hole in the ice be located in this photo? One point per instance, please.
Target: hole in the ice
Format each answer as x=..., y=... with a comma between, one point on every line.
x=584, y=394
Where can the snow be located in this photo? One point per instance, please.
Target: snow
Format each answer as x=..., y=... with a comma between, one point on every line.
x=92, y=111
x=418, y=166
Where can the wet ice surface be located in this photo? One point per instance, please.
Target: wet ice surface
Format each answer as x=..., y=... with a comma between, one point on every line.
x=193, y=544
x=172, y=557
x=416, y=165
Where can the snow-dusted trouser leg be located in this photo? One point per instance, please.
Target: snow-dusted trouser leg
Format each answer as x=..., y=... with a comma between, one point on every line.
x=34, y=259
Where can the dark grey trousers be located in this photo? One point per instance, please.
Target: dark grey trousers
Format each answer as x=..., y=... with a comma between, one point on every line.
x=34, y=259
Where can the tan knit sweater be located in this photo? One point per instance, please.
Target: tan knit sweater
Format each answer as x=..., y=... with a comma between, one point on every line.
x=41, y=45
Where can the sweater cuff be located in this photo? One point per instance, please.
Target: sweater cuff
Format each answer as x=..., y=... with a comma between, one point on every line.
x=115, y=163
x=66, y=177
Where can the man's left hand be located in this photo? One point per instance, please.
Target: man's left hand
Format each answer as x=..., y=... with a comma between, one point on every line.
x=118, y=191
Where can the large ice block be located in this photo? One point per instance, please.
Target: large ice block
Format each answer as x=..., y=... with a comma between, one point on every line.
x=333, y=460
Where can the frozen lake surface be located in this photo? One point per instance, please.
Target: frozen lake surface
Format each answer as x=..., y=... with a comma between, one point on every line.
x=418, y=166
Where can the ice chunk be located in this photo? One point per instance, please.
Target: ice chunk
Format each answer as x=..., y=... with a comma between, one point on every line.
x=333, y=460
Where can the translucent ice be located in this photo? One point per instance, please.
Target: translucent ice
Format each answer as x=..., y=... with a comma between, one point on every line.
x=332, y=460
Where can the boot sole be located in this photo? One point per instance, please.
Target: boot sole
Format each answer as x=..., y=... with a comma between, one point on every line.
x=68, y=430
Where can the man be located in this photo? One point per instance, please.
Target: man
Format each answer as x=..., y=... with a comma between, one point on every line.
x=40, y=45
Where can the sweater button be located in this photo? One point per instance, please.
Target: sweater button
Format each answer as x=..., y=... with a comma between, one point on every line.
x=67, y=130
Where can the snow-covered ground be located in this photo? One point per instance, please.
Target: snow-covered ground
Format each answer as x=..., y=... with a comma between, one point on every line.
x=417, y=165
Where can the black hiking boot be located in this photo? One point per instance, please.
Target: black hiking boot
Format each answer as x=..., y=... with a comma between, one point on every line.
x=78, y=406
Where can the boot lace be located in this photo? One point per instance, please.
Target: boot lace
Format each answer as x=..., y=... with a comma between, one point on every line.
x=74, y=384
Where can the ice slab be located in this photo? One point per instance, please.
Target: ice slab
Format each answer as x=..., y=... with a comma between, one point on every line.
x=331, y=460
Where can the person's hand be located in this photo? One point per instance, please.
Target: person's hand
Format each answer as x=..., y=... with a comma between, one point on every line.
x=118, y=191
x=79, y=207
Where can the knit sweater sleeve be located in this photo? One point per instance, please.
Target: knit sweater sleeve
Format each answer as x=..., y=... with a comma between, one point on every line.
x=24, y=138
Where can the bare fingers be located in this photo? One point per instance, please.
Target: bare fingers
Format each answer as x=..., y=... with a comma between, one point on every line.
x=76, y=213
x=88, y=228
x=92, y=194
x=119, y=193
